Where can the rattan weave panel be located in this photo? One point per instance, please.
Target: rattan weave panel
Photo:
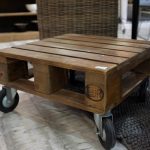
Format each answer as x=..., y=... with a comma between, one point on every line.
x=96, y=17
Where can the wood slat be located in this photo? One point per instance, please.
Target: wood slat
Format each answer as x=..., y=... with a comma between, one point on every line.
x=134, y=61
x=113, y=39
x=58, y=60
x=17, y=36
x=74, y=54
x=87, y=49
x=90, y=44
x=125, y=65
x=143, y=68
x=14, y=14
x=63, y=96
x=130, y=82
x=103, y=41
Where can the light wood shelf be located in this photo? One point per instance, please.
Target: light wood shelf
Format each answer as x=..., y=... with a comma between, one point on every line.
x=17, y=36
x=17, y=14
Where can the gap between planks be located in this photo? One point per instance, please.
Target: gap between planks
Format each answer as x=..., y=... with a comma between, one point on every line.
x=86, y=49
x=59, y=61
x=110, y=38
x=103, y=41
x=74, y=54
x=91, y=44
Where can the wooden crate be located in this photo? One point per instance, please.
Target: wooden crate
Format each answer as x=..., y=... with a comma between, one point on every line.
x=112, y=69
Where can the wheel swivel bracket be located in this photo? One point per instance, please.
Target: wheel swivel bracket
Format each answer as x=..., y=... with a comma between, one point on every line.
x=98, y=118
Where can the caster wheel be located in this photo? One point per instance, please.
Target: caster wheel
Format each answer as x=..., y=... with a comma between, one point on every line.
x=6, y=105
x=108, y=138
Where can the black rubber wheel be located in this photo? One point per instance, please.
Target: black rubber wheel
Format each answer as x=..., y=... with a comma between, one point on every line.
x=4, y=105
x=108, y=140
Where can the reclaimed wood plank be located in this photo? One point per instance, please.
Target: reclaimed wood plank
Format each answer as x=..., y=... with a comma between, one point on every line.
x=48, y=79
x=131, y=81
x=143, y=68
x=134, y=61
x=86, y=49
x=125, y=65
x=63, y=96
x=58, y=61
x=12, y=70
x=74, y=54
x=42, y=78
x=113, y=39
x=100, y=40
x=95, y=89
x=91, y=44
x=14, y=14
x=18, y=36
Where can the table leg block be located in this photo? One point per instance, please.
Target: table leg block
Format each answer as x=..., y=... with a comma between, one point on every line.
x=11, y=70
x=49, y=79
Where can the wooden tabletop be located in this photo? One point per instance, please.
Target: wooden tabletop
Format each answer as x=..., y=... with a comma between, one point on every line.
x=84, y=53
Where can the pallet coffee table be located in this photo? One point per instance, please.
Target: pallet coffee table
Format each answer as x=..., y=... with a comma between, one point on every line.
x=106, y=71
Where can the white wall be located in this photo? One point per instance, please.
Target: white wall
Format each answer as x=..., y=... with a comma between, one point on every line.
x=125, y=10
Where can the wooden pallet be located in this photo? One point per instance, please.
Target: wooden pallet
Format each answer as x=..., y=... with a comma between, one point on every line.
x=112, y=68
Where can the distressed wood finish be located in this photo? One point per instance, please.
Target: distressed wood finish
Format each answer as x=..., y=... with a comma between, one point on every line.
x=48, y=79
x=12, y=69
x=18, y=36
x=112, y=67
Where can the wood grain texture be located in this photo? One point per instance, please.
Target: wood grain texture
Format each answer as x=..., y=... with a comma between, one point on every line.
x=15, y=36
x=12, y=70
x=93, y=44
x=48, y=79
x=14, y=14
x=114, y=39
x=96, y=81
x=87, y=49
x=3, y=73
x=42, y=78
x=74, y=54
x=63, y=96
x=105, y=87
x=143, y=68
x=130, y=81
x=107, y=40
x=57, y=60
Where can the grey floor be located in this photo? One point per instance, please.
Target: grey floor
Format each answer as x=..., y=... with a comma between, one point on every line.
x=39, y=124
